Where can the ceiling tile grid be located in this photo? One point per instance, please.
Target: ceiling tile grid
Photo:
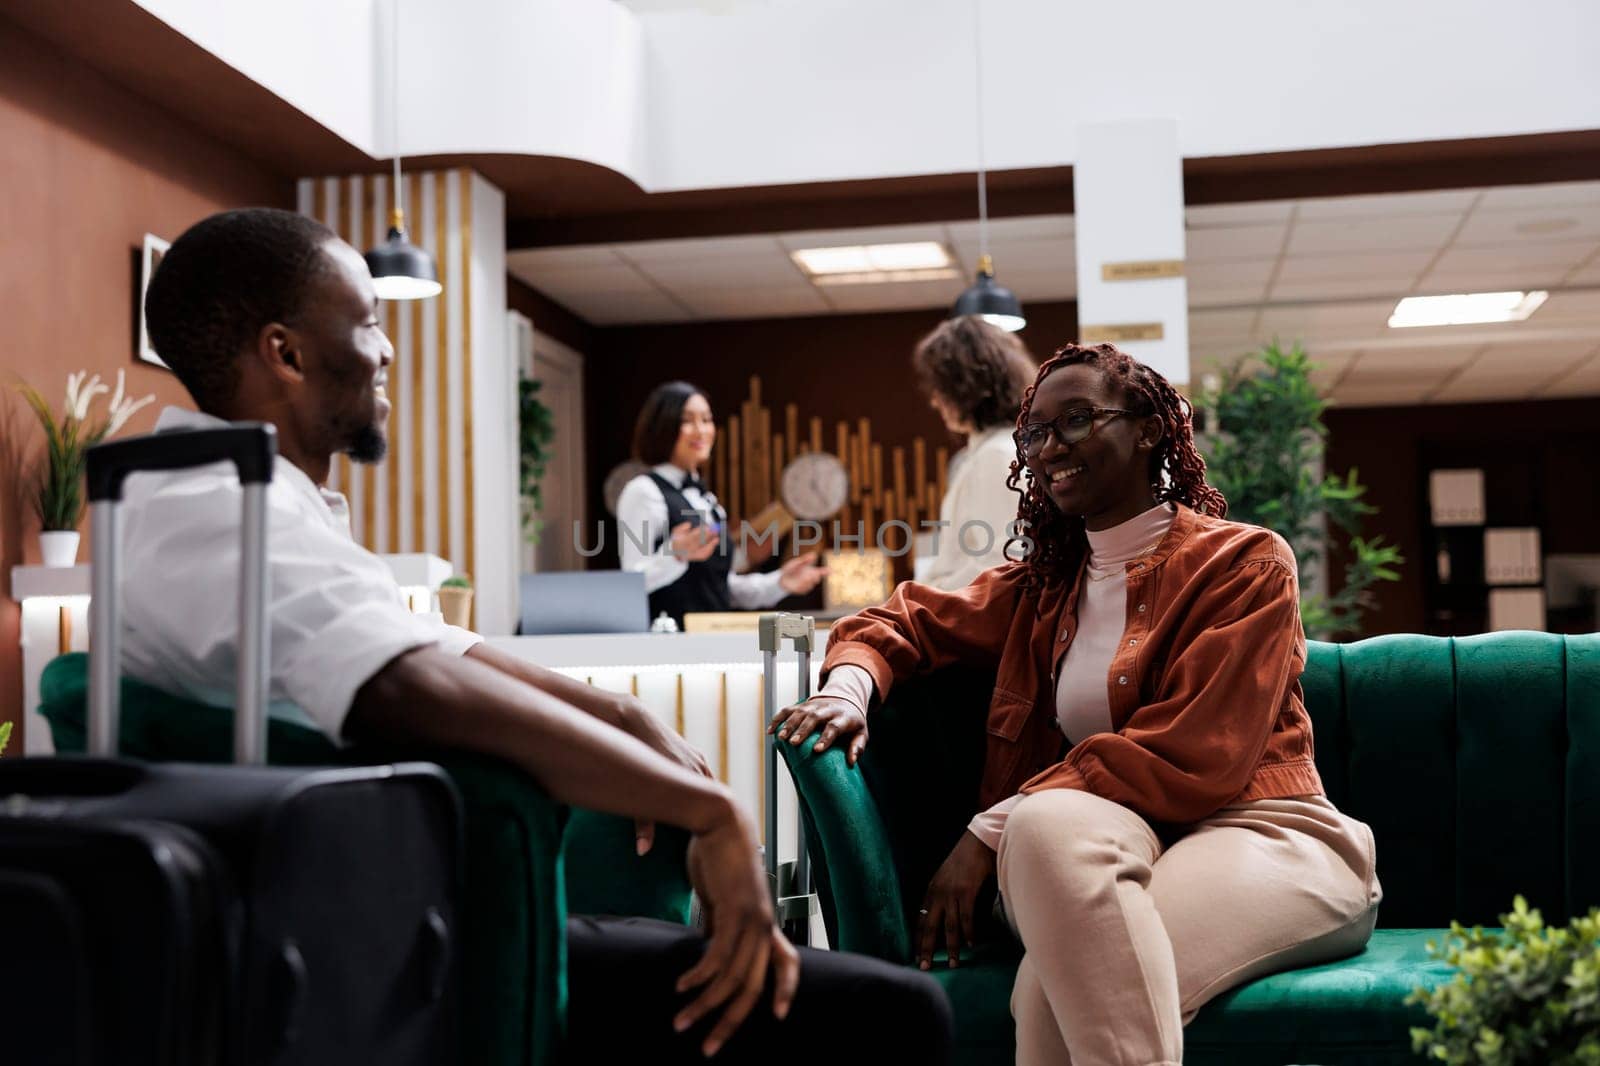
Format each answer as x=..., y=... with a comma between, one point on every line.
x=1325, y=272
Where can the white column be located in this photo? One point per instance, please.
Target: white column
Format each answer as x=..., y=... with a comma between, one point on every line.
x=495, y=453
x=1127, y=186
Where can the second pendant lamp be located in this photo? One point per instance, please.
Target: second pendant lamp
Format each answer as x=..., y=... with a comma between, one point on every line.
x=986, y=298
x=400, y=270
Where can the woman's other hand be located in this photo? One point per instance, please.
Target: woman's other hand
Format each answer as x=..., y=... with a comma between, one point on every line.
x=949, y=909
x=800, y=575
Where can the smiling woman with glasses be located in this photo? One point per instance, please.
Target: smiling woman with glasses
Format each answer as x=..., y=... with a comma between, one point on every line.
x=1149, y=804
x=1069, y=427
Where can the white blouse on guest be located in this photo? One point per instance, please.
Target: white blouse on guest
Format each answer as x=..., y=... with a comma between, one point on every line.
x=1083, y=702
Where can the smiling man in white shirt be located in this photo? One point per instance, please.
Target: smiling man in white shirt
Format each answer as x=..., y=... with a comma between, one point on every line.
x=266, y=315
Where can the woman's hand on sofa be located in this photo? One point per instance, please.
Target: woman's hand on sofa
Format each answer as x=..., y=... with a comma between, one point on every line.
x=743, y=941
x=832, y=718
x=949, y=908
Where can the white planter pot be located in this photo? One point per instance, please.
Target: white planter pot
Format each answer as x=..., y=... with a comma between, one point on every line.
x=59, y=547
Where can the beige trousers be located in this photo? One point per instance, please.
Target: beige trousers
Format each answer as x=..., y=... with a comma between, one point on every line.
x=1125, y=940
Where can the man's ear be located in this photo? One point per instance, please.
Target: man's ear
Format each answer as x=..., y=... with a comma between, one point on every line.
x=279, y=350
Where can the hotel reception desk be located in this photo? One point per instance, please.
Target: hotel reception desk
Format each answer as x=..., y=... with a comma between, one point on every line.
x=706, y=686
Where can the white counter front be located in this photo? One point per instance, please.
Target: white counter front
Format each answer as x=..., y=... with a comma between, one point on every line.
x=706, y=686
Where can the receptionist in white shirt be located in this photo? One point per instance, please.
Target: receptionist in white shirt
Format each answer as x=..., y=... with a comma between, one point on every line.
x=673, y=530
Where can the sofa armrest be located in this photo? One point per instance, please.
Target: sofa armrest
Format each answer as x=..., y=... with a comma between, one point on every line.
x=512, y=996
x=851, y=855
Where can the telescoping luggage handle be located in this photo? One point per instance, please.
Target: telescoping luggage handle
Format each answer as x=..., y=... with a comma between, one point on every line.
x=791, y=883
x=252, y=448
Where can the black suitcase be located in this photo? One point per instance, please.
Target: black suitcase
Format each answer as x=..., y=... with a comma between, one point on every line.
x=169, y=914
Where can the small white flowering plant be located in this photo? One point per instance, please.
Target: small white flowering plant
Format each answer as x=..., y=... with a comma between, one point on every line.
x=58, y=493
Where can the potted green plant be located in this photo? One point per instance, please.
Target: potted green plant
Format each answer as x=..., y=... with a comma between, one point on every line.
x=1264, y=451
x=535, y=430
x=59, y=489
x=455, y=600
x=1526, y=995
x=5, y=736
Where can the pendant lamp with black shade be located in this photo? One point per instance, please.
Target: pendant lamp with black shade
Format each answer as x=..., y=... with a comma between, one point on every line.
x=986, y=298
x=400, y=270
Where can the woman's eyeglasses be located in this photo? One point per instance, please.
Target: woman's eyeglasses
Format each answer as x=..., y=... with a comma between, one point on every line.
x=1069, y=427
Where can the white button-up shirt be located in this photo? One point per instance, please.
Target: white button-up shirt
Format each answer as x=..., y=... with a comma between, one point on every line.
x=335, y=614
x=642, y=518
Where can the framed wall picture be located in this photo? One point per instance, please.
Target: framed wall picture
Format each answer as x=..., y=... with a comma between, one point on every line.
x=154, y=249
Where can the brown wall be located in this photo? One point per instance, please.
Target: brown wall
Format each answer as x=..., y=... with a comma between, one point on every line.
x=836, y=367
x=87, y=169
x=1538, y=462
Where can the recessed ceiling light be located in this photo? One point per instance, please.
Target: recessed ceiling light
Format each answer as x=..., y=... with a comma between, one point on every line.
x=878, y=277
x=1465, y=309
x=869, y=258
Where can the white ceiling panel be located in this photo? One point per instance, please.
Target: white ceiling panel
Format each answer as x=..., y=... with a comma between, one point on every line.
x=1054, y=255
x=1583, y=380
x=1233, y=242
x=644, y=252
x=924, y=231
x=1229, y=296
x=1400, y=233
x=1021, y=228
x=594, y=283
x=727, y=303
x=1387, y=267
x=1367, y=372
x=634, y=308
x=1214, y=324
x=1504, y=360
x=1221, y=351
x=1328, y=369
x=1308, y=322
x=1586, y=273
x=1388, y=205
x=1265, y=212
x=1228, y=273
x=1531, y=226
x=1542, y=257
x=1470, y=390
x=1554, y=194
x=1340, y=289
x=1443, y=357
x=1568, y=307
x=1346, y=395
x=769, y=271
x=894, y=297
x=538, y=261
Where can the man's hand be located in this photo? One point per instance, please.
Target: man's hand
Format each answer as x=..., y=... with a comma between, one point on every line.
x=725, y=870
x=837, y=719
x=800, y=575
x=635, y=719
x=949, y=909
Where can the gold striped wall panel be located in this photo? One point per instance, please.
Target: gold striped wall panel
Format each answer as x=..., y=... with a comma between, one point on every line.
x=421, y=498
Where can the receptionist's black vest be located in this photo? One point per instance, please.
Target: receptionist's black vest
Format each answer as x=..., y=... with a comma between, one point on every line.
x=704, y=586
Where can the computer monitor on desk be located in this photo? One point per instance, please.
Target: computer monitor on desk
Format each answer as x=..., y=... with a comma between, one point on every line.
x=583, y=601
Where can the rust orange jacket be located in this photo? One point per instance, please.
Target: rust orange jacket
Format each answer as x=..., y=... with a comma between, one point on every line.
x=1206, y=706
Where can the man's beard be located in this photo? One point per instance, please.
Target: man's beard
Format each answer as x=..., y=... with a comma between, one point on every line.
x=369, y=445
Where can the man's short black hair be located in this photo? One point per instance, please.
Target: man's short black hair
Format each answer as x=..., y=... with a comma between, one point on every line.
x=220, y=284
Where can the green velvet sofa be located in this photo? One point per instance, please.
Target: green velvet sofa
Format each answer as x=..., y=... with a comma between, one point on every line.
x=1476, y=761
x=528, y=860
